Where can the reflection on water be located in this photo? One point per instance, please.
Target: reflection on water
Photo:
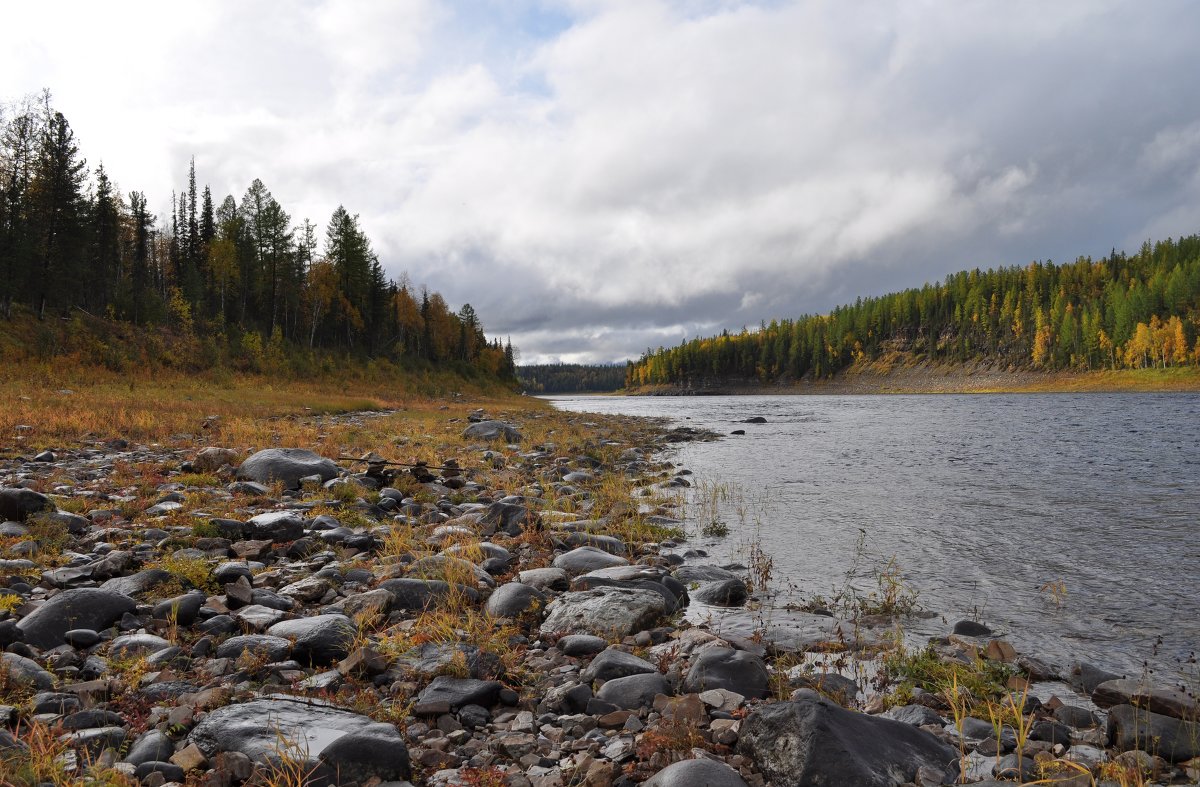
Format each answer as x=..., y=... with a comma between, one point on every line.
x=1069, y=521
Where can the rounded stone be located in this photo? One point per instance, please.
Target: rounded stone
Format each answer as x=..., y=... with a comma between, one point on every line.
x=696, y=773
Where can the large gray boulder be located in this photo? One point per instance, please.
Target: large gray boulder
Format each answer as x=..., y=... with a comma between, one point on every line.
x=609, y=544
x=373, y=752
x=606, y=612
x=306, y=728
x=269, y=649
x=1158, y=699
x=81, y=608
x=423, y=594
x=276, y=526
x=584, y=559
x=288, y=465
x=152, y=746
x=513, y=599
x=508, y=518
x=454, y=693
x=696, y=773
x=20, y=670
x=492, y=430
x=726, y=593
x=137, y=583
x=634, y=691
x=318, y=640
x=1172, y=739
x=812, y=742
x=17, y=504
x=615, y=663
x=725, y=668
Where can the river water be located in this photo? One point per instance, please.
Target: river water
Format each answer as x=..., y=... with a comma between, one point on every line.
x=1069, y=523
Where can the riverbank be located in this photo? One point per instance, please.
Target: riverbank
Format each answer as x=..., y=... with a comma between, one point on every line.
x=503, y=608
x=906, y=376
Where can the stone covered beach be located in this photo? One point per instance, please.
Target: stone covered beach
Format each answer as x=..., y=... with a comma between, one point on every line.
x=507, y=610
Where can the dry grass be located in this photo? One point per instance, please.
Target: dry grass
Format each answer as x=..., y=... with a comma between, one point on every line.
x=64, y=407
x=48, y=760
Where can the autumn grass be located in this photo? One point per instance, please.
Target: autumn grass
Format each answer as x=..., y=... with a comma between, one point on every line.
x=975, y=688
x=58, y=407
x=47, y=760
x=1172, y=380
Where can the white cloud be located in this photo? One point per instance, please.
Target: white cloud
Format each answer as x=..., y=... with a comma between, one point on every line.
x=654, y=169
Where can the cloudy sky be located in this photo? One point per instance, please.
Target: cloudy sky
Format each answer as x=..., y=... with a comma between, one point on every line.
x=599, y=177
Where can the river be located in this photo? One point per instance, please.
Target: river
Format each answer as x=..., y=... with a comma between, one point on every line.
x=1069, y=523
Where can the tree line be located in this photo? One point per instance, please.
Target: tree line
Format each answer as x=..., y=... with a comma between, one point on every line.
x=571, y=377
x=242, y=271
x=1121, y=311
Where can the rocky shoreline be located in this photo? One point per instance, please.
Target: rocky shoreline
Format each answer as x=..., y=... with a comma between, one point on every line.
x=508, y=613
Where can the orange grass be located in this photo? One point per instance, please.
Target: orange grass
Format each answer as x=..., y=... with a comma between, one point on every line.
x=53, y=411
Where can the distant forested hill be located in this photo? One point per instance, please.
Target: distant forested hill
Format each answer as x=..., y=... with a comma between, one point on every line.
x=571, y=378
x=243, y=277
x=1122, y=311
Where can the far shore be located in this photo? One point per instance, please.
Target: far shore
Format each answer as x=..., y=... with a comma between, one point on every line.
x=929, y=378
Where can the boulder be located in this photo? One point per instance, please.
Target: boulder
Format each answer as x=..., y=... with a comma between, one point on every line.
x=700, y=574
x=28, y=672
x=138, y=583
x=726, y=668
x=613, y=546
x=604, y=612
x=318, y=640
x=508, y=518
x=134, y=645
x=634, y=691
x=1077, y=717
x=182, y=609
x=513, y=599
x=726, y=593
x=616, y=663
x=673, y=602
x=916, y=715
x=812, y=741
x=1086, y=677
x=422, y=594
x=581, y=645
x=276, y=527
x=259, y=727
x=971, y=628
x=81, y=608
x=168, y=771
x=492, y=430
x=375, y=752
x=17, y=504
x=696, y=773
x=1173, y=739
x=288, y=465
x=581, y=560
x=152, y=746
x=544, y=578
x=269, y=649
x=1158, y=699
x=452, y=693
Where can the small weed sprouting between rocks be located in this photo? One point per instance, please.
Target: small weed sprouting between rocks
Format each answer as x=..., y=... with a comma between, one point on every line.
x=974, y=685
x=189, y=571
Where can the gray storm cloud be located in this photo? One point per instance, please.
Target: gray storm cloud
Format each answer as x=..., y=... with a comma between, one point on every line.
x=597, y=178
